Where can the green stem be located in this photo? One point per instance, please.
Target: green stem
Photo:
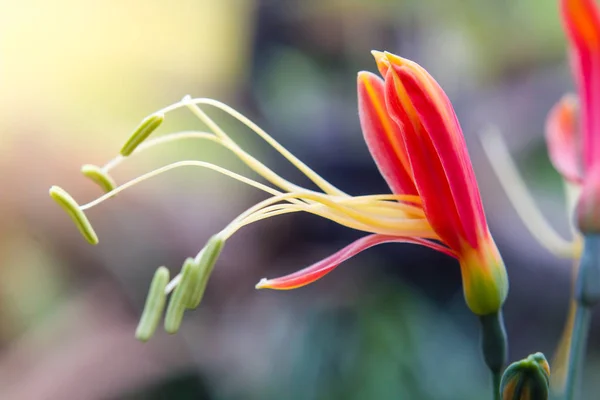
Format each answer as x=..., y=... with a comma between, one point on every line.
x=587, y=295
x=494, y=347
x=496, y=378
x=577, y=351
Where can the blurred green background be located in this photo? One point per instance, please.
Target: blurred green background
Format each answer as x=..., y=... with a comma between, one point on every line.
x=78, y=76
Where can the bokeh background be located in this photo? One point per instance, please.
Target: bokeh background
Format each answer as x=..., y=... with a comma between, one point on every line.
x=76, y=78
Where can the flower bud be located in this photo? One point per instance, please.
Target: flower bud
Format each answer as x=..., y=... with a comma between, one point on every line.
x=485, y=282
x=527, y=379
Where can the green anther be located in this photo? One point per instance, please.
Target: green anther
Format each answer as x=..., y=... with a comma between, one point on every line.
x=99, y=176
x=146, y=127
x=205, y=267
x=154, y=307
x=69, y=204
x=180, y=297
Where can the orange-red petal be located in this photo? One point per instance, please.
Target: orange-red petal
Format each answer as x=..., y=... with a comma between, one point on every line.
x=562, y=137
x=382, y=135
x=581, y=19
x=441, y=125
x=430, y=178
x=323, y=267
x=582, y=22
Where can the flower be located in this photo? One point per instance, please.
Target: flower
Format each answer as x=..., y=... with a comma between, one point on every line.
x=414, y=137
x=422, y=131
x=416, y=141
x=581, y=20
x=527, y=379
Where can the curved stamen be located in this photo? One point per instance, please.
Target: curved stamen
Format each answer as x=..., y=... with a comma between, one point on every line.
x=518, y=194
x=329, y=201
x=189, y=163
x=363, y=204
x=418, y=227
x=305, y=169
x=249, y=160
x=190, y=102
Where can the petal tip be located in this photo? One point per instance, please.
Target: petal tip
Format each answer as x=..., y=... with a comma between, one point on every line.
x=394, y=59
x=378, y=55
x=262, y=284
x=381, y=60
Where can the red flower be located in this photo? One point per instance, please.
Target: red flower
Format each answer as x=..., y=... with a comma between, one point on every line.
x=581, y=19
x=416, y=141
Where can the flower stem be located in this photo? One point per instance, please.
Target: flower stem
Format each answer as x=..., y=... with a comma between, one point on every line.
x=577, y=352
x=496, y=378
x=494, y=347
x=587, y=295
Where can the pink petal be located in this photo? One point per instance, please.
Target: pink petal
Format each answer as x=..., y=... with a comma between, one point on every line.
x=581, y=19
x=562, y=137
x=323, y=267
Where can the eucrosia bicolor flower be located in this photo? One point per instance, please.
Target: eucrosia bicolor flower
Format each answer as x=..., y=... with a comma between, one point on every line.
x=581, y=19
x=416, y=141
x=414, y=136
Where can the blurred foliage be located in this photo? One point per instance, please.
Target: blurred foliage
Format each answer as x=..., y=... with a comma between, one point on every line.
x=390, y=345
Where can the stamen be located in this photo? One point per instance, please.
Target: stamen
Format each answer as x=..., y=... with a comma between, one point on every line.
x=310, y=174
x=172, y=137
x=189, y=163
x=146, y=127
x=250, y=161
x=180, y=298
x=99, y=176
x=76, y=213
x=572, y=193
x=516, y=190
x=385, y=223
x=208, y=258
x=334, y=210
x=173, y=284
x=154, y=307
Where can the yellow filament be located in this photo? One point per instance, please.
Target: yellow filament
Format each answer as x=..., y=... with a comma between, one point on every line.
x=250, y=161
x=411, y=198
x=388, y=209
x=422, y=231
x=572, y=193
x=330, y=202
x=244, y=156
x=342, y=200
x=179, y=164
x=338, y=212
x=310, y=174
x=518, y=194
